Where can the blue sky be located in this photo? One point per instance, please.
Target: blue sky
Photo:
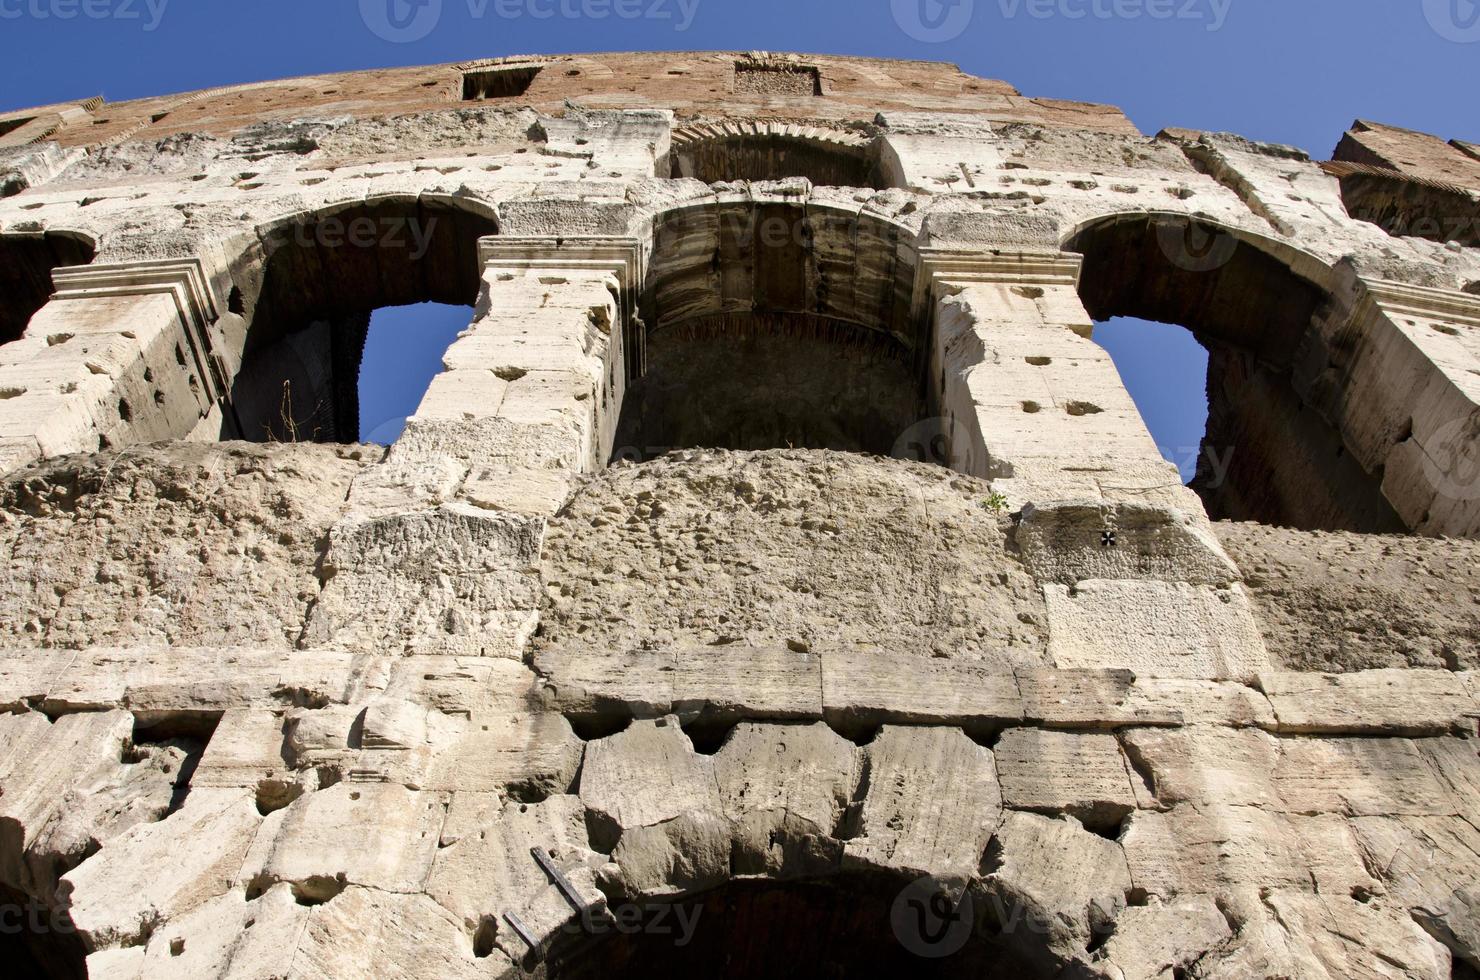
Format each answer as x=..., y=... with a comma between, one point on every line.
x=1289, y=71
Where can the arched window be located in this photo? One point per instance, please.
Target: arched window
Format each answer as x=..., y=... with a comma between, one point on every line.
x=774, y=326
x=304, y=303
x=736, y=150
x=1271, y=452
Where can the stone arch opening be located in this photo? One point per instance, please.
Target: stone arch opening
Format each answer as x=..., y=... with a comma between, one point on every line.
x=302, y=300
x=836, y=926
x=26, y=263
x=773, y=326
x=1271, y=453
x=736, y=151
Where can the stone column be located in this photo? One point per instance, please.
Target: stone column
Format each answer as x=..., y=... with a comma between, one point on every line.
x=120, y=355
x=440, y=553
x=1130, y=569
x=1410, y=405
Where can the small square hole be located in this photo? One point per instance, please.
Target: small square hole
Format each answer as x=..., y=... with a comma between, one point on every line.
x=502, y=82
x=777, y=80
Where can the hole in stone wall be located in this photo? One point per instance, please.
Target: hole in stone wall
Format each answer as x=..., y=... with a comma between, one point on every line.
x=329, y=355
x=853, y=924
x=25, y=276
x=1268, y=453
x=502, y=82
x=774, y=156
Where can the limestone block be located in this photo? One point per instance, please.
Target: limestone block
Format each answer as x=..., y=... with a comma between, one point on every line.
x=39, y=764
x=1155, y=628
x=1090, y=698
x=524, y=754
x=643, y=776
x=1208, y=850
x=786, y=788
x=365, y=934
x=1428, y=865
x=1064, y=543
x=1361, y=777
x=490, y=873
x=1201, y=702
x=124, y=963
x=320, y=736
x=245, y=749
x=687, y=854
x=457, y=580
x=459, y=685
x=1372, y=702
x=1067, y=884
x=159, y=682
x=518, y=489
x=864, y=690
x=27, y=674
x=1158, y=940
x=229, y=937
x=1458, y=763
x=602, y=685
x=160, y=870
x=378, y=836
x=729, y=683
x=1205, y=766
x=1085, y=776
x=469, y=813
x=933, y=803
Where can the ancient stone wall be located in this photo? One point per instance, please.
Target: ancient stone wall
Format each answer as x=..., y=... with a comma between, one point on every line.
x=777, y=573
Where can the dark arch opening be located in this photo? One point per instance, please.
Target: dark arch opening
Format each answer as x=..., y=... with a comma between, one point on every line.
x=307, y=295
x=844, y=926
x=774, y=326
x=26, y=264
x=1270, y=454
x=776, y=156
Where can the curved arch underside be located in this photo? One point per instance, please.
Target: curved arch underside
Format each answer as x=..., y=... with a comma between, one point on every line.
x=1270, y=454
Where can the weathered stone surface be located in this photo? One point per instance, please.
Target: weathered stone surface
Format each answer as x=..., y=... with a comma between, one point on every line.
x=491, y=872
x=1064, y=884
x=160, y=870
x=193, y=545
x=369, y=834
x=1428, y=865
x=875, y=555
x=1361, y=777
x=1205, y=766
x=646, y=775
x=1085, y=776
x=1156, y=628
x=1158, y=940
x=933, y=804
x=1345, y=602
x=1063, y=543
x=862, y=690
x=1378, y=702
